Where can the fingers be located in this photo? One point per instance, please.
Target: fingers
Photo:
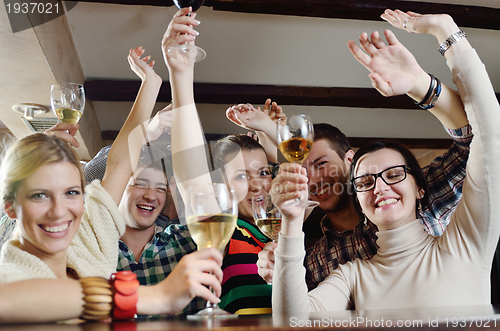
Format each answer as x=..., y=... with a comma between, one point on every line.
x=181, y=25
x=231, y=115
x=367, y=45
x=379, y=84
x=267, y=106
x=265, y=263
x=391, y=37
x=291, y=179
x=358, y=54
x=376, y=40
x=208, y=253
x=65, y=131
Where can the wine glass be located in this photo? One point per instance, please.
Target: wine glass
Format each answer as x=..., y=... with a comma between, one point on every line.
x=67, y=101
x=267, y=217
x=211, y=214
x=199, y=53
x=295, y=138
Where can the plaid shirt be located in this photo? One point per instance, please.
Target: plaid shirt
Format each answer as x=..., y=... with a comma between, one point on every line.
x=159, y=258
x=445, y=176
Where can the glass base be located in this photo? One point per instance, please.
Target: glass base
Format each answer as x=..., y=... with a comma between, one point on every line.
x=303, y=203
x=190, y=52
x=211, y=313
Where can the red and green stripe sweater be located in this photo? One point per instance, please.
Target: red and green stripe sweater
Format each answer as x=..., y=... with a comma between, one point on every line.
x=244, y=292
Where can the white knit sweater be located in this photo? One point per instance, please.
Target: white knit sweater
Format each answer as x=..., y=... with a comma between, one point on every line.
x=412, y=268
x=93, y=251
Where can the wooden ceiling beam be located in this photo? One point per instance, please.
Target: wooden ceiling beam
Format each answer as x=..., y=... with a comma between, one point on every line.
x=464, y=15
x=217, y=93
x=355, y=142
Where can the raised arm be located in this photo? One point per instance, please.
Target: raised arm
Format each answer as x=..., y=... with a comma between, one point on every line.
x=473, y=223
x=188, y=143
x=124, y=152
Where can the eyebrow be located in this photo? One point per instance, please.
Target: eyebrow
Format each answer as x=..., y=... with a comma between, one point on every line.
x=318, y=159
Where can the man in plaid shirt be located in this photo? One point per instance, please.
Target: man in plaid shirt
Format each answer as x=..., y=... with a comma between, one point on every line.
x=152, y=245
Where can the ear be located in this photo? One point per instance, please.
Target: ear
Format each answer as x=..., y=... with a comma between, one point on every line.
x=9, y=209
x=421, y=193
x=348, y=158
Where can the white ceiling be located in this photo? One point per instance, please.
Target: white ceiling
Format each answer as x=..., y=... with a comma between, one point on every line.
x=265, y=49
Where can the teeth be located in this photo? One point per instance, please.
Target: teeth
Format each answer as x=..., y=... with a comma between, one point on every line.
x=148, y=208
x=323, y=190
x=386, y=202
x=55, y=229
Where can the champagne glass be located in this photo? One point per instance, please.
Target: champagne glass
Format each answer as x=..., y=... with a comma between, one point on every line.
x=198, y=52
x=211, y=214
x=295, y=138
x=67, y=100
x=267, y=217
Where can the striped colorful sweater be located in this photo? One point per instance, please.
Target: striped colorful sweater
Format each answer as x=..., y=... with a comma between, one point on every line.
x=244, y=292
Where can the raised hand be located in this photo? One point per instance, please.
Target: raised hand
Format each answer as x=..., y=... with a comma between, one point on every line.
x=393, y=68
x=180, y=31
x=249, y=117
x=65, y=131
x=417, y=23
x=140, y=66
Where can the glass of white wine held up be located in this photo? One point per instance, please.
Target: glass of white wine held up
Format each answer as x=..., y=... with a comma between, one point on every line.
x=211, y=214
x=266, y=216
x=67, y=101
x=295, y=137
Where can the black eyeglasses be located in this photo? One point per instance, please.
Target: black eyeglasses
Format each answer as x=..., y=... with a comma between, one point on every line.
x=390, y=176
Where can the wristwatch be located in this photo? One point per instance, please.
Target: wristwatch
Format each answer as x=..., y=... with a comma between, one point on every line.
x=454, y=38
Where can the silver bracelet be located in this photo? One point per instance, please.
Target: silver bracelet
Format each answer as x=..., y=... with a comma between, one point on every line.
x=454, y=38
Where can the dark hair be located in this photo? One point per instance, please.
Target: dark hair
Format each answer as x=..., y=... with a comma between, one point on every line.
x=338, y=141
x=232, y=144
x=411, y=163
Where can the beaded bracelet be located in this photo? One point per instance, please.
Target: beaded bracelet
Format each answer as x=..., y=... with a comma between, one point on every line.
x=98, y=297
x=125, y=297
x=116, y=297
x=429, y=91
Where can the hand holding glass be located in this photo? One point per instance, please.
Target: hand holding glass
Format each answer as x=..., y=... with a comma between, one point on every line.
x=295, y=138
x=211, y=214
x=197, y=52
x=67, y=100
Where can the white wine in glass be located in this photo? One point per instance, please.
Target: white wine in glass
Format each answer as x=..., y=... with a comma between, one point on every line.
x=295, y=138
x=266, y=216
x=211, y=214
x=67, y=100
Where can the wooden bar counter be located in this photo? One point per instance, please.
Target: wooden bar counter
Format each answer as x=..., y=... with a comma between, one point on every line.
x=469, y=318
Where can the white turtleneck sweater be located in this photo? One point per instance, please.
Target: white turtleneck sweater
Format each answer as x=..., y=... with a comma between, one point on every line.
x=412, y=268
x=92, y=253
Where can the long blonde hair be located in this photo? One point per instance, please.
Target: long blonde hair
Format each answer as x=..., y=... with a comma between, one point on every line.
x=24, y=157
